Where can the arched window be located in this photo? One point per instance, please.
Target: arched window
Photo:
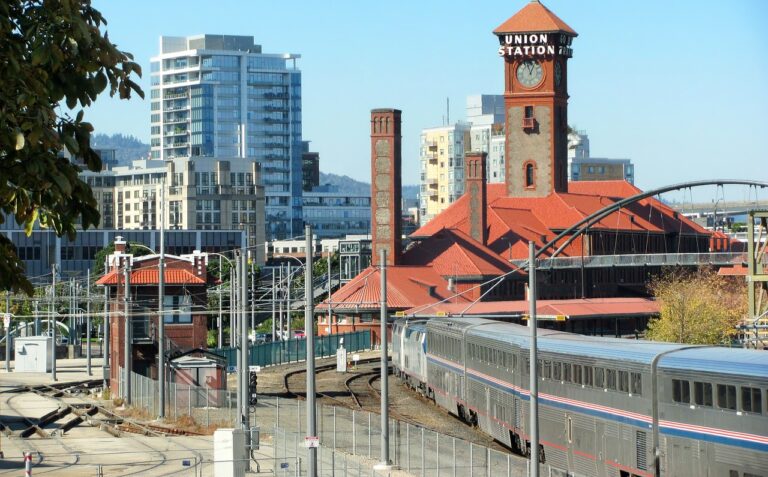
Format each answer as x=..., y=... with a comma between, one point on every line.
x=529, y=179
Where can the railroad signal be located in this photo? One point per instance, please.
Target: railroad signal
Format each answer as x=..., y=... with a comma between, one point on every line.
x=253, y=381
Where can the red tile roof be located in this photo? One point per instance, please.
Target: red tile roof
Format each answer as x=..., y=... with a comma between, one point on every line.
x=576, y=308
x=452, y=253
x=407, y=287
x=151, y=277
x=533, y=17
x=513, y=221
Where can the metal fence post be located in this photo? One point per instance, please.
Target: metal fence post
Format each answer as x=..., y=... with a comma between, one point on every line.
x=370, y=431
x=471, y=460
x=437, y=453
x=354, y=447
x=408, y=446
x=488, y=461
x=277, y=411
x=334, y=427
x=454, y=457
x=422, y=452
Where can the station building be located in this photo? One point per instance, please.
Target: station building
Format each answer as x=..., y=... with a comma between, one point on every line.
x=468, y=251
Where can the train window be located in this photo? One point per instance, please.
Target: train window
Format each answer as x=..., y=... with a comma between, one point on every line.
x=624, y=381
x=733, y=473
x=681, y=391
x=567, y=372
x=610, y=379
x=702, y=394
x=557, y=374
x=599, y=377
x=588, y=376
x=751, y=400
x=546, y=369
x=637, y=384
x=726, y=396
x=577, y=374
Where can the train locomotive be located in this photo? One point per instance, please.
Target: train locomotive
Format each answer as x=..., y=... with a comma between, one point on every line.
x=607, y=406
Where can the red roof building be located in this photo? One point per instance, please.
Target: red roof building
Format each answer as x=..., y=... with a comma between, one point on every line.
x=468, y=252
x=186, y=324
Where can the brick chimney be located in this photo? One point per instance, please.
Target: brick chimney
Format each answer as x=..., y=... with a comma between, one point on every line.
x=475, y=189
x=386, y=185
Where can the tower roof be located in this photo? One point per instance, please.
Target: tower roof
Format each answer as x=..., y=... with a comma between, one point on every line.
x=533, y=17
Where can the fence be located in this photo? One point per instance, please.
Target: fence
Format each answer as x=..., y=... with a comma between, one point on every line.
x=635, y=260
x=290, y=351
x=350, y=440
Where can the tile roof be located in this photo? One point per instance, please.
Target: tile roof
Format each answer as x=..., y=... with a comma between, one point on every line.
x=534, y=17
x=151, y=277
x=407, y=287
x=513, y=221
x=576, y=308
x=451, y=252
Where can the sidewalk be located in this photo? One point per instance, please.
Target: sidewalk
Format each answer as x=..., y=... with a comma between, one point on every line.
x=66, y=370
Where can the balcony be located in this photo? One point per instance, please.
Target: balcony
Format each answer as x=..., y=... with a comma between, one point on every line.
x=433, y=159
x=529, y=123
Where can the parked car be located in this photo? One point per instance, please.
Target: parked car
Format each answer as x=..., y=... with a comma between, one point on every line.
x=299, y=335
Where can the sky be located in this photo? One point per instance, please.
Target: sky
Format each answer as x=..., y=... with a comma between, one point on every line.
x=677, y=87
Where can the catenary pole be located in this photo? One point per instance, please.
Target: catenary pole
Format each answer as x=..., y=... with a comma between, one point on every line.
x=253, y=299
x=288, y=304
x=273, y=305
x=53, y=324
x=105, y=341
x=330, y=315
x=244, y=343
x=534, y=385
x=384, y=363
x=8, y=331
x=88, y=322
x=127, y=334
x=238, y=353
x=309, y=336
x=218, y=322
x=280, y=305
x=161, y=306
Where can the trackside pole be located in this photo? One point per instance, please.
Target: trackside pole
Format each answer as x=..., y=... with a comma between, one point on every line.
x=534, y=384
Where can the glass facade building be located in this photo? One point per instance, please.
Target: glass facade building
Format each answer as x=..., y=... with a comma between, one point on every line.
x=220, y=96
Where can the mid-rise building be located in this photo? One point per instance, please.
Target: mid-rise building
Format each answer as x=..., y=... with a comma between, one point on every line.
x=442, y=167
x=310, y=168
x=333, y=213
x=583, y=167
x=485, y=113
x=220, y=96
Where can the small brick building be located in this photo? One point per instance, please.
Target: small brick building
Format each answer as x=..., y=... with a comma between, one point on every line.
x=184, y=304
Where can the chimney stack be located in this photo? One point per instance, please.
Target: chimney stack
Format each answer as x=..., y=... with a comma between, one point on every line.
x=386, y=185
x=475, y=188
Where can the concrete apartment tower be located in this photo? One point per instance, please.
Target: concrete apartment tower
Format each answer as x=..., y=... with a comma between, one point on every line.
x=535, y=45
x=386, y=193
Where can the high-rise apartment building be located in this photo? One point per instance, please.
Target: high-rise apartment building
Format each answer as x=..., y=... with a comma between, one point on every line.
x=442, y=167
x=219, y=96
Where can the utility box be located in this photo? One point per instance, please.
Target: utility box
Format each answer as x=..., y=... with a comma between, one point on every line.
x=341, y=360
x=230, y=457
x=32, y=354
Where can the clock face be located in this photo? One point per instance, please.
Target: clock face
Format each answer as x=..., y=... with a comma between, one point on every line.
x=558, y=73
x=529, y=73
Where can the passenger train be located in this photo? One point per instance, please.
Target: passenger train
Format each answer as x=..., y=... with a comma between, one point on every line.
x=605, y=404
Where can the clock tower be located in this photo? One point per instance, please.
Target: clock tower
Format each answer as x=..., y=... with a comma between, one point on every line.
x=536, y=45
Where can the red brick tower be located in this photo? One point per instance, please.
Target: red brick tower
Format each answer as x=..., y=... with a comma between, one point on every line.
x=475, y=188
x=535, y=45
x=386, y=192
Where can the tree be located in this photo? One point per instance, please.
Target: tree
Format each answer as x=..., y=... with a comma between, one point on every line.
x=51, y=52
x=697, y=307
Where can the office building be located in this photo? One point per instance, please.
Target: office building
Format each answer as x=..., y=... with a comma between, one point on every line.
x=310, y=168
x=220, y=96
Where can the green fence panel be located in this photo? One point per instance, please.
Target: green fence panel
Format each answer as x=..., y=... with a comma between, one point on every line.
x=290, y=351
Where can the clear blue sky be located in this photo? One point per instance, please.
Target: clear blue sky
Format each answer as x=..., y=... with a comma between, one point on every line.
x=681, y=88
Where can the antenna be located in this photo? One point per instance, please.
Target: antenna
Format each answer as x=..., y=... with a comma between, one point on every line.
x=447, y=111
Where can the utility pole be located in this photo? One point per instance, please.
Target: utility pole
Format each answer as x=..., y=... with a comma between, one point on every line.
x=88, y=322
x=533, y=383
x=385, y=463
x=53, y=323
x=309, y=336
x=127, y=334
x=253, y=300
x=161, y=305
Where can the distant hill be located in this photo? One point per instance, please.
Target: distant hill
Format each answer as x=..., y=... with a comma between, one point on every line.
x=127, y=148
x=354, y=187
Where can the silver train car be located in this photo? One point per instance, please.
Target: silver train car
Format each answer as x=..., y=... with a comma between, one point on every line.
x=409, y=354
x=605, y=404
